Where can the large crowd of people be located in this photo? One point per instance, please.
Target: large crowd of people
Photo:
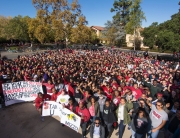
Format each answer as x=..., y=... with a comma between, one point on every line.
x=107, y=89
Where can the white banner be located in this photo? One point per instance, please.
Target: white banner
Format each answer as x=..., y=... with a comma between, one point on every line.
x=68, y=118
x=22, y=91
x=51, y=108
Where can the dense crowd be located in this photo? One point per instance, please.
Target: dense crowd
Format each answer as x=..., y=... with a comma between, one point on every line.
x=107, y=89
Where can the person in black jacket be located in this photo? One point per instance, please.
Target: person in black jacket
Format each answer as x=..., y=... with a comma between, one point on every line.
x=139, y=124
x=109, y=117
x=96, y=129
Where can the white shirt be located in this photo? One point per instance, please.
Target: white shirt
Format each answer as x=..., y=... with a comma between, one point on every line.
x=120, y=113
x=96, y=131
x=130, y=66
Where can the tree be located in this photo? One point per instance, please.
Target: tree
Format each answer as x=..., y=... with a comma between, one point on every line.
x=168, y=40
x=32, y=26
x=137, y=43
x=165, y=35
x=62, y=17
x=136, y=17
x=17, y=28
x=109, y=32
x=150, y=35
x=121, y=18
x=128, y=17
x=81, y=33
x=3, y=23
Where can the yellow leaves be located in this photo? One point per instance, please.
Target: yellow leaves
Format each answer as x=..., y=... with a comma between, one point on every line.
x=3, y=22
x=41, y=33
x=82, y=20
x=61, y=19
x=81, y=34
x=32, y=25
x=75, y=5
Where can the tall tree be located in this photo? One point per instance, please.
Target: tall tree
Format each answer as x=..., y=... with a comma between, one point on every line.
x=32, y=26
x=121, y=18
x=61, y=15
x=165, y=35
x=81, y=33
x=110, y=32
x=17, y=28
x=3, y=23
x=136, y=16
x=150, y=35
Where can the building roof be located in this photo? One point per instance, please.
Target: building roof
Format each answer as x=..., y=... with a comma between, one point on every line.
x=98, y=27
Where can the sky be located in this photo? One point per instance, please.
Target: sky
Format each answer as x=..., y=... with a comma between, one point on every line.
x=97, y=12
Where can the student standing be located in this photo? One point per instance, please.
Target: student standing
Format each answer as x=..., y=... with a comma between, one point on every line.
x=158, y=118
x=83, y=112
x=139, y=124
x=96, y=129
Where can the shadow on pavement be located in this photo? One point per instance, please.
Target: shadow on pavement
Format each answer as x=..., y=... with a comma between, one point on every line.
x=22, y=121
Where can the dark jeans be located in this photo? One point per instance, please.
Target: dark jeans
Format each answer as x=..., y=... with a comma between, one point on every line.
x=92, y=119
x=101, y=117
x=121, y=128
x=84, y=126
x=2, y=96
x=109, y=128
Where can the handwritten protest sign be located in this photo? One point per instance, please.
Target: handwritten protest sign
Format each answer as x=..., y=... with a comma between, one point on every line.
x=68, y=118
x=21, y=91
x=51, y=108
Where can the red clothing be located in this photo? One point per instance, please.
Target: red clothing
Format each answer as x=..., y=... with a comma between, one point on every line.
x=38, y=102
x=124, y=90
x=174, y=87
x=49, y=87
x=136, y=92
x=27, y=78
x=54, y=96
x=116, y=100
x=115, y=85
x=85, y=96
x=46, y=96
x=83, y=113
x=107, y=92
x=73, y=108
x=70, y=90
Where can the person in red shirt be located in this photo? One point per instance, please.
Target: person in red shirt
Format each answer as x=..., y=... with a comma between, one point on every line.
x=54, y=95
x=107, y=90
x=83, y=112
x=39, y=104
x=27, y=77
x=116, y=98
x=136, y=91
x=114, y=83
x=46, y=97
x=49, y=86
